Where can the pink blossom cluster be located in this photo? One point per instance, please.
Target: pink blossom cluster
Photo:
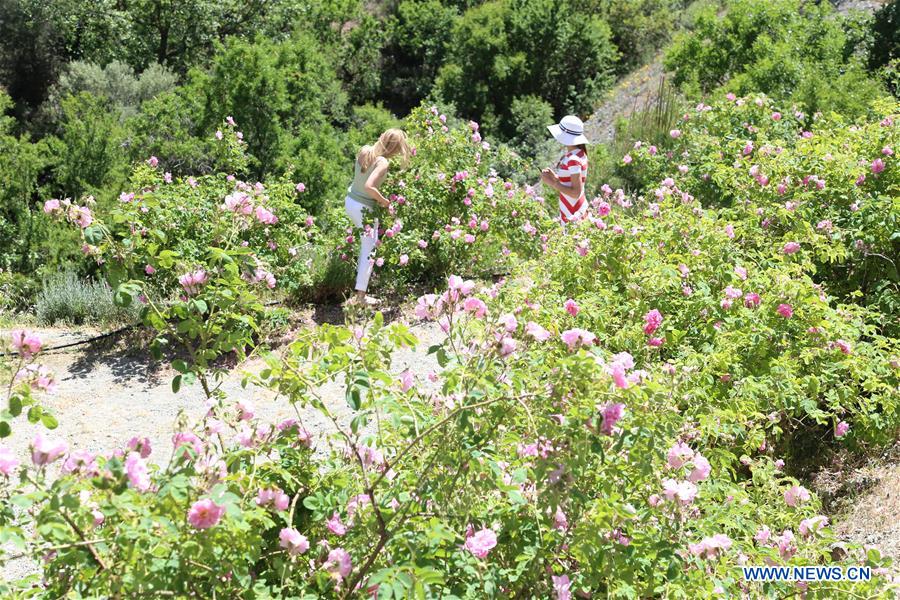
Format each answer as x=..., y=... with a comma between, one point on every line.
x=192, y=282
x=273, y=497
x=785, y=543
x=619, y=366
x=796, y=495
x=710, y=547
x=73, y=213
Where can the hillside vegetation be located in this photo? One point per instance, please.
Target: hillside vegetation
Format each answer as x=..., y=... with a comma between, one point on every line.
x=627, y=407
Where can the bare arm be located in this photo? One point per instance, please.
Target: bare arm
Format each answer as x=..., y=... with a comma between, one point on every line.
x=374, y=180
x=574, y=188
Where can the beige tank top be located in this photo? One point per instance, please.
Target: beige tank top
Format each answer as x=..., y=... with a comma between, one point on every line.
x=357, y=189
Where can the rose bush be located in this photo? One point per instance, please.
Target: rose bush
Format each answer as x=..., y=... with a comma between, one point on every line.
x=534, y=464
x=626, y=414
x=199, y=253
x=451, y=212
x=792, y=177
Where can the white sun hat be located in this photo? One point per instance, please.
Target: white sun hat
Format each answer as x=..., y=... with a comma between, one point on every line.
x=569, y=131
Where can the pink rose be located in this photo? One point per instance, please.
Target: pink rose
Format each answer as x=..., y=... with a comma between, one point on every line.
x=561, y=587
x=339, y=563
x=701, y=469
x=536, y=331
x=841, y=429
x=507, y=346
x=810, y=526
x=8, y=461
x=44, y=450
x=406, y=380
x=652, y=321
x=785, y=310
x=191, y=282
x=678, y=455
x=796, y=495
x=291, y=540
x=791, y=248
x=577, y=337
x=475, y=306
x=481, y=543
x=509, y=322
x=26, y=343
x=265, y=216
x=571, y=307
x=683, y=491
x=204, y=514
x=335, y=525
x=138, y=474
x=612, y=414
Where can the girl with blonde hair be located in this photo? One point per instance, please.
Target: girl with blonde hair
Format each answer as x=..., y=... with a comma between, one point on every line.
x=364, y=198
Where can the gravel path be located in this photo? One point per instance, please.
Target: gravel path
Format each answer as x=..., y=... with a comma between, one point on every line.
x=111, y=392
x=629, y=95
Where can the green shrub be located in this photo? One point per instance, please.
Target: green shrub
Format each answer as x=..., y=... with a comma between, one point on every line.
x=171, y=128
x=22, y=165
x=17, y=292
x=639, y=27
x=117, y=82
x=360, y=60
x=791, y=50
x=87, y=150
x=530, y=116
x=66, y=298
x=886, y=35
x=274, y=91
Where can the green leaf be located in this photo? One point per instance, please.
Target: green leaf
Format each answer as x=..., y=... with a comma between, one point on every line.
x=5, y=429
x=49, y=421
x=34, y=414
x=15, y=405
x=353, y=397
x=93, y=234
x=176, y=384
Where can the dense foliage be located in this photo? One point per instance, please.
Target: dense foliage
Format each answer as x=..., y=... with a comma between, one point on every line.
x=625, y=414
x=626, y=407
x=794, y=50
x=96, y=89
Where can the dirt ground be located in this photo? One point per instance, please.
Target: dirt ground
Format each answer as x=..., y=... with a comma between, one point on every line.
x=862, y=497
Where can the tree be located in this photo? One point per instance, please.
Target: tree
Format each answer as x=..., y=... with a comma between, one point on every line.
x=507, y=48
x=419, y=32
x=87, y=150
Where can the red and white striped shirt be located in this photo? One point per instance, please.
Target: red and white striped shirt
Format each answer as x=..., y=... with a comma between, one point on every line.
x=572, y=164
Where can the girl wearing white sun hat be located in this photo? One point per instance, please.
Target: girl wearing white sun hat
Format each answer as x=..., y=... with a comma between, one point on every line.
x=570, y=173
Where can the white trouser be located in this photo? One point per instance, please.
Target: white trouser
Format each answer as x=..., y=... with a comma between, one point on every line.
x=368, y=236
